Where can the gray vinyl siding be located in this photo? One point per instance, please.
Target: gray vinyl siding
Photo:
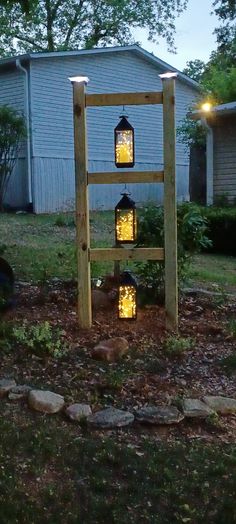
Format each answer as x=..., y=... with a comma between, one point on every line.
x=52, y=127
x=225, y=158
x=12, y=93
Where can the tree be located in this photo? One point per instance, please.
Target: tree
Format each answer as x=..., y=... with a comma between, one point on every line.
x=12, y=131
x=71, y=24
x=195, y=69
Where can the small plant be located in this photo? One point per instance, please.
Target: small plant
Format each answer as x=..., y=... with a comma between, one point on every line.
x=41, y=339
x=232, y=327
x=176, y=346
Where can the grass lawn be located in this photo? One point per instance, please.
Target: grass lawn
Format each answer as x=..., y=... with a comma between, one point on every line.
x=58, y=472
x=43, y=247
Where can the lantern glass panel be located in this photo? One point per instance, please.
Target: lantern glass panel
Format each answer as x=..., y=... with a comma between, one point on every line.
x=126, y=225
x=127, y=302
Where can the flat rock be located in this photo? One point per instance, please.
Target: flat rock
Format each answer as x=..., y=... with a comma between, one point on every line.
x=6, y=384
x=110, y=350
x=159, y=415
x=45, y=401
x=195, y=408
x=78, y=411
x=222, y=405
x=111, y=418
x=19, y=392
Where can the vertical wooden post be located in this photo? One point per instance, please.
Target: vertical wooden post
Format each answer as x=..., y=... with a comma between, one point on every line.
x=170, y=208
x=82, y=206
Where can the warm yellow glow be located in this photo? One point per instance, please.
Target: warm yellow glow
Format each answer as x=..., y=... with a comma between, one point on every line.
x=127, y=302
x=124, y=147
x=125, y=229
x=206, y=107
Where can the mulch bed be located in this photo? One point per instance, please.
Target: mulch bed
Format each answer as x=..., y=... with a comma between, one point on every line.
x=146, y=375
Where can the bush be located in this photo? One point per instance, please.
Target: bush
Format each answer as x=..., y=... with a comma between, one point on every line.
x=40, y=339
x=192, y=228
x=221, y=229
x=12, y=131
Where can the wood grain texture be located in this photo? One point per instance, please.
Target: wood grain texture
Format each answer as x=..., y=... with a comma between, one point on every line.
x=82, y=207
x=120, y=99
x=170, y=211
x=135, y=177
x=121, y=253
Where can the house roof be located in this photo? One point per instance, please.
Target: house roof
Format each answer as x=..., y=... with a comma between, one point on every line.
x=220, y=110
x=136, y=49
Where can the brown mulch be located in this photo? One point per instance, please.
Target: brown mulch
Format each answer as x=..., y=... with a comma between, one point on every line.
x=146, y=375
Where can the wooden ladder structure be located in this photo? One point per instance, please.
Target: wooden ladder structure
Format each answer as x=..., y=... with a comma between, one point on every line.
x=85, y=255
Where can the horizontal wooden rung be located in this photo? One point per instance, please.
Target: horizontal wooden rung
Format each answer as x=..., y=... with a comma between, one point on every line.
x=121, y=253
x=135, y=177
x=120, y=99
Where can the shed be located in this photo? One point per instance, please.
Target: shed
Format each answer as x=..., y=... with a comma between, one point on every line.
x=37, y=84
x=220, y=123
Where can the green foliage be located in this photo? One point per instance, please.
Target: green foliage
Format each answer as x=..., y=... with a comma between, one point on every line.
x=192, y=237
x=12, y=131
x=177, y=346
x=194, y=69
x=69, y=24
x=191, y=132
x=40, y=339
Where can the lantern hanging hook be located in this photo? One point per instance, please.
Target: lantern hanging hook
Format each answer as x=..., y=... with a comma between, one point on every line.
x=125, y=191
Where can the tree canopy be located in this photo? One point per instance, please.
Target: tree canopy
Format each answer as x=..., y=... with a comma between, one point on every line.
x=52, y=25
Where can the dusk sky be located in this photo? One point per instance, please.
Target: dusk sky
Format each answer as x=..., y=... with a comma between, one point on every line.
x=194, y=38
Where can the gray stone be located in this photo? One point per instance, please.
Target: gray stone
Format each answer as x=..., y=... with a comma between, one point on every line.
x=6, y=384
x=111, y=418
x=159, y=415
x=19, y=392
x=195, y=408
x=111, y=349
x=45, y=401
x=222, y=405
x=78, y=411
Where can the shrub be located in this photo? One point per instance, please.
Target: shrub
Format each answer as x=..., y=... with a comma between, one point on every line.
x=40, y=339
x=221, y=229
x=177, y=346
x=192, y=227
x=12, y=131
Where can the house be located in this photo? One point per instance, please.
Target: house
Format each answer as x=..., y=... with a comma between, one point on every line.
x=220, y=124
x=37, y=84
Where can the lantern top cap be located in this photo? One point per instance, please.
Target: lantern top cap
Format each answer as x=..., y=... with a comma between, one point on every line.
x=127, y=279
x=125, y=202
x=79, y=79
x=169, y=74
x=123, y=124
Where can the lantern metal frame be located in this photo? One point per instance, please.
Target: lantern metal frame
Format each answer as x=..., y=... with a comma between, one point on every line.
x=124, y=125
x=126, y=203
x=127, y=280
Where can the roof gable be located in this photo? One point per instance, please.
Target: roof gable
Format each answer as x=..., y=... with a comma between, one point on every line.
x=136, y=49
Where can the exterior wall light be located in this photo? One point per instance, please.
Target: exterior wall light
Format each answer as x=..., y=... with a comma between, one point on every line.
x=127, y=297
x=125, y=220
x=124, y=143
x=206, y=107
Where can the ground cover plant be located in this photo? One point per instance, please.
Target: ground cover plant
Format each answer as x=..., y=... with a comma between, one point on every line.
x=56, y=471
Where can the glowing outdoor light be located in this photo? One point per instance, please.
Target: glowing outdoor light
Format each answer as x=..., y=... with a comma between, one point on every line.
x=124, y=143
x=125, y=220
x=206, y=106
x=127, y=301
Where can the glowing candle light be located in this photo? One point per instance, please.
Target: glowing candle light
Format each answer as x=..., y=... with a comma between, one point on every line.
x=127, y=306
x=125, y=220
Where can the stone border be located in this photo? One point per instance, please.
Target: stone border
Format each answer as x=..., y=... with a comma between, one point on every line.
x=48, y=402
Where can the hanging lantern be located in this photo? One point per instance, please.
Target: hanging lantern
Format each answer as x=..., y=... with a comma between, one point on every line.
x=127, y=304
x=124, y=143
x=125, y=220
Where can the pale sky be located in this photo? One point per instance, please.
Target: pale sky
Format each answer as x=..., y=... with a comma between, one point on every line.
x=194, y=38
